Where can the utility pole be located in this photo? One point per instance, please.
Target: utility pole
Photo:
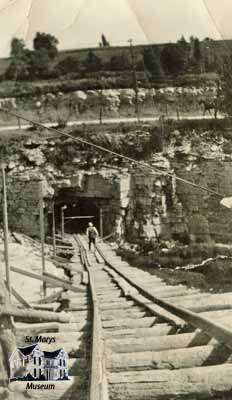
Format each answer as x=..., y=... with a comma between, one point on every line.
x=101, y=222
x=101, y=100
x=134, y=78
x=53, y=228
x=162, y=125
x=42, y=232
x=62, y=220
x=19, y=122
x=5, y=225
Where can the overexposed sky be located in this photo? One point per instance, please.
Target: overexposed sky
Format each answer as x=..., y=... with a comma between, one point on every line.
x=80, y=23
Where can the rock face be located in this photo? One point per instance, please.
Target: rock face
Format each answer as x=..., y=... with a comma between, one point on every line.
x=23, y=194
x=136, y=203
x=154, y=211
x=207, y=219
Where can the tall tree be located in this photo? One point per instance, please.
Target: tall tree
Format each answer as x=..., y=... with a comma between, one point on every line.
x=105, y=42
x=172, y=59
x=17, y=48
x=38, y=63
x=184, y=48
x=197, y=54
x=46, y=42
x=226, y=80
x=68, y=65
x=152, y=63
x=119, y=62
x=92, y=62
x=18, y=67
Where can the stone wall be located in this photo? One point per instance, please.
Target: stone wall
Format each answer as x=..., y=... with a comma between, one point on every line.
x=154, y=211
x=139, y=205
x=162, y=208
x=136, y=204
x=205, y=217
x=23, y=194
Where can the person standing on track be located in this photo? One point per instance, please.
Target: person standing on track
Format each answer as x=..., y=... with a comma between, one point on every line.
x=92, y=234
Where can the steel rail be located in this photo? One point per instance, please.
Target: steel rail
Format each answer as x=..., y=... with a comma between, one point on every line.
x=98, y=381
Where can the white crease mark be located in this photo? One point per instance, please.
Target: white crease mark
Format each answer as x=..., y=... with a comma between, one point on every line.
x=131, y=7
x=209, y=12
x=4, y=8
x=28, y=19
x=77, y=16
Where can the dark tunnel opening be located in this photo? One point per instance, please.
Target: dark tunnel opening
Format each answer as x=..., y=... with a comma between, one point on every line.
x=77, y=215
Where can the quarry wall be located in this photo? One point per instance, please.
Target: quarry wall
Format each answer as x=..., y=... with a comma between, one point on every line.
x=135, y=203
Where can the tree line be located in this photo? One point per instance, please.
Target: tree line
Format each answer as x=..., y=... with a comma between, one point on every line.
x=158, y=62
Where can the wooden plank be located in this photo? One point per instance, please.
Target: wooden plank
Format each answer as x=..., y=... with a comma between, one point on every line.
x=34, y=314
x=132, y=293
x=157, y=330
x=169, y=359
x=51, y=297
x=121, y=304
x=159, y=343
x=114, y=314
x=203, y=382
x=36, y=327
x=214, y=330
x=157, y=310
x=60, y=259
x=130, y=322
x=52, y=281
x=20, y=298
x=62, y=280
x=73, y=386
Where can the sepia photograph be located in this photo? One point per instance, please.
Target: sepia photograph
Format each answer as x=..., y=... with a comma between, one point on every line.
x=115, y=200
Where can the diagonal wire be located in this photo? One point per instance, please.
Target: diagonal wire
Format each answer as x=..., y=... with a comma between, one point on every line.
x=101, y=148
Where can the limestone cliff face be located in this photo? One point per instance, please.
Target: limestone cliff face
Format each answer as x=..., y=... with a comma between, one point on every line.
x=137, y=203
x=154, y=211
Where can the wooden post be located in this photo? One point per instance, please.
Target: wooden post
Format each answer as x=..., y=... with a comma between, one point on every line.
x=100, y=115
x=42, y=233
x=62, y=223
x=101, y=101
x=5, y=224
x=62, y=220
x=101, y=222
x=134, y=79
x=53, y=228
x=177, y=112
x=161, y=119
x=19, y=123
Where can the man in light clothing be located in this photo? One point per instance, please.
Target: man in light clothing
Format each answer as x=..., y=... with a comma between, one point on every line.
x=92, y=234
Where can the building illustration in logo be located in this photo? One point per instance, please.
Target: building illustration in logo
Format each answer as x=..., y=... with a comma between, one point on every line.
x=31, y=363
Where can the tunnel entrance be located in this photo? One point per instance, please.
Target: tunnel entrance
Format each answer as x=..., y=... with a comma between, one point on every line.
x=77, y=215
x=79, y=207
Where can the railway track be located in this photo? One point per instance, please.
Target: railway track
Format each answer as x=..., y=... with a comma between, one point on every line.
x=158, y=342
x=132, y=336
